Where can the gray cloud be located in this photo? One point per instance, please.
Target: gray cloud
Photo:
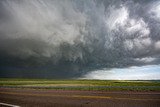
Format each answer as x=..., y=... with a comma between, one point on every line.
x=68, y=38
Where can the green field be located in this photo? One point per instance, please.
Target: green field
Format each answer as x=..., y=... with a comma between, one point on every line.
x=101, y=85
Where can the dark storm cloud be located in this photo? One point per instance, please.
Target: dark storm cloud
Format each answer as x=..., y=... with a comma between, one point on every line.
x=56, y=38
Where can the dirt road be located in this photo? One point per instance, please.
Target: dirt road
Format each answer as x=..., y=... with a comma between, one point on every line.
x=59, y=98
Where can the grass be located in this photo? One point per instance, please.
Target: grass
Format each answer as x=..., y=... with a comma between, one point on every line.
x=101, y=85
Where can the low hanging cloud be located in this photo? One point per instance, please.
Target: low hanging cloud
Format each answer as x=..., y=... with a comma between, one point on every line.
x=70, y=38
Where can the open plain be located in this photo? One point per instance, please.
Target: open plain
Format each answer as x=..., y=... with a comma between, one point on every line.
x=78, y=93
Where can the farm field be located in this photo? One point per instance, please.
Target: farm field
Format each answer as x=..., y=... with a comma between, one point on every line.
x=79, y=93
x=89, y=85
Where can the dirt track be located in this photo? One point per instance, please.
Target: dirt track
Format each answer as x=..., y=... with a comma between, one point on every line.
x=53, y=98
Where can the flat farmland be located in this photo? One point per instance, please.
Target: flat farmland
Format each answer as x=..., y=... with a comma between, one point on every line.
x=99, y=85
x=78, y=93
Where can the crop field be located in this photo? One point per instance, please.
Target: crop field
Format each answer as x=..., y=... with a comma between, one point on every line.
x=99, y=85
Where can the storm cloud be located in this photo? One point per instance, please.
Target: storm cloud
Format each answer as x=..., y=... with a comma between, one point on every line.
x=54, y=38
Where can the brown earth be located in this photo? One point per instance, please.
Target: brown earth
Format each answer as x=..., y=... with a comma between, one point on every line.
x=61, y=98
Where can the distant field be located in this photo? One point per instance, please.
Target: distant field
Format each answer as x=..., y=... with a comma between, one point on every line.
x=100, y=85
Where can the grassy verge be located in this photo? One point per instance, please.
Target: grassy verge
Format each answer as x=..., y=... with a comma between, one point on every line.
x=101, y=85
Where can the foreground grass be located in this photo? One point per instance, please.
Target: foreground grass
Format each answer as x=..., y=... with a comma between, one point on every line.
x=101, y=85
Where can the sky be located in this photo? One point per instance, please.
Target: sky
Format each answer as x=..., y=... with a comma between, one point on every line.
x=148, y=72
x=93, y=39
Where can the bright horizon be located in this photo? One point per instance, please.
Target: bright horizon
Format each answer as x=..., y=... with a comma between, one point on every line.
x=148, y=72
